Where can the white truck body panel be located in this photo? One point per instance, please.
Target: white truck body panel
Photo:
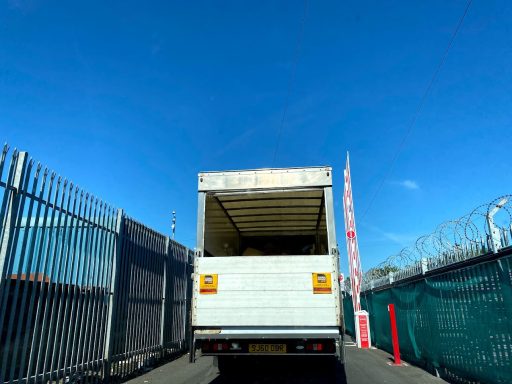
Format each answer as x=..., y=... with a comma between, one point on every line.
x=266, y=291
x=265, y=179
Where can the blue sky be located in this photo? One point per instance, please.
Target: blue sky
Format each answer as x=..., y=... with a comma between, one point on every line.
x=132, y=100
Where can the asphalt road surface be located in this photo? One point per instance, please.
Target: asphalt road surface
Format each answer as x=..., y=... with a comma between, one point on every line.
x=361, y=367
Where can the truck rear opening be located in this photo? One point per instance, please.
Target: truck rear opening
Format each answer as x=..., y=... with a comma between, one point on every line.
x=265, y=223
x=266, y=267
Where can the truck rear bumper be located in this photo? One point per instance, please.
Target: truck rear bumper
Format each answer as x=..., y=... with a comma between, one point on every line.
x=274, y=347
x=283, y=341
x=254, y=341
x=229, y=333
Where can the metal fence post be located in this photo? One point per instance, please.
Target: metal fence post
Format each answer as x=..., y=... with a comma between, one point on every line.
x=114, y=282
x=12, y=208
x=190, y=285
x=424, y=265
x=164, y=295
x=189, y=334
x=8, y=232
x=494, y=232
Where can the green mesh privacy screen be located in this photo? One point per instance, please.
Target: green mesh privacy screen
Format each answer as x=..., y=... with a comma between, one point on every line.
x=348, y=315
x=458, y=323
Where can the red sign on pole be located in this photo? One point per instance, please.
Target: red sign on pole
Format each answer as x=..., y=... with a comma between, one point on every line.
x=363, y=331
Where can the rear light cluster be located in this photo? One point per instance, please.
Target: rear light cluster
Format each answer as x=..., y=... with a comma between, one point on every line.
x=215, y=347
x=327, y=347
x=305, y=346
x=219, y=347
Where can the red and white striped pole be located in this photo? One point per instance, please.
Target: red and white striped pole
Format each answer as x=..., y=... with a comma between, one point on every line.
x=360, y=317
x=352, y=246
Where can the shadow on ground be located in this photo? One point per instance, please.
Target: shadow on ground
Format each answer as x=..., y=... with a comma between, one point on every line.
x=283, y=370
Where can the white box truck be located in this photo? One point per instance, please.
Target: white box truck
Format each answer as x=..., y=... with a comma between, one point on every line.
x=266, y=266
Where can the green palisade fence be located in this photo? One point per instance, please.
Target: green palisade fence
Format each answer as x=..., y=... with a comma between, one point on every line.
x=457, y=323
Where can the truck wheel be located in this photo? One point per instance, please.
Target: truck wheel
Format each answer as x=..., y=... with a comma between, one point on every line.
x=225, y=365
x=332, y=368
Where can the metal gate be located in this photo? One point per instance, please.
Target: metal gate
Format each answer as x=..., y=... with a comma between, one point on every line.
x=86, y=293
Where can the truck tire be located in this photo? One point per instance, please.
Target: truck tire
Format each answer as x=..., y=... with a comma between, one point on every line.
x=332, y=369
x=225, y=365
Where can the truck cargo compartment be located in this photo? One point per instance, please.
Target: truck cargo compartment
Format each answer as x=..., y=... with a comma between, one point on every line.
x=265, y=223
x=266, y=266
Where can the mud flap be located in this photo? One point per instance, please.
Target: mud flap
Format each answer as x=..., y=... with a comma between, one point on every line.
x=192, y=351
x=340, y=350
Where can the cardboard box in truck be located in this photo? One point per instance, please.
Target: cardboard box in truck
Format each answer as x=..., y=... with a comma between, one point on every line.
x=266, y=266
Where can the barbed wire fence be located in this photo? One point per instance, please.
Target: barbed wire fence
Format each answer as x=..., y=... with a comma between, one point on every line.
x=486, y=229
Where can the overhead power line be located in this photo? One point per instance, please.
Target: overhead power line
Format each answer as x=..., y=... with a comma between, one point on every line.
x=419, y=108
x=291, y=79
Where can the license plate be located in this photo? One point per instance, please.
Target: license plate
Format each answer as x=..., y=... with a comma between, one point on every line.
x=267, y=348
